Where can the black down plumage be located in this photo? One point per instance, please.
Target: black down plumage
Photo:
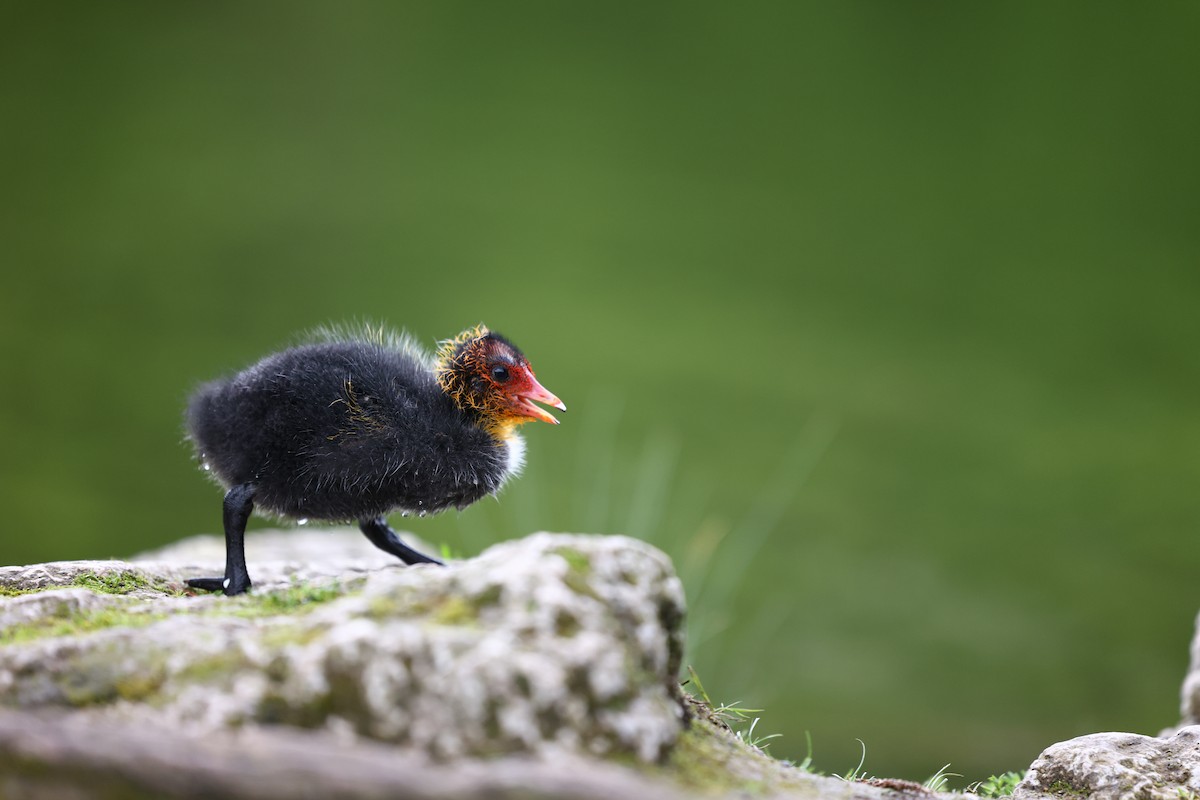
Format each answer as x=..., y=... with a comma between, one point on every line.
x=346, y=431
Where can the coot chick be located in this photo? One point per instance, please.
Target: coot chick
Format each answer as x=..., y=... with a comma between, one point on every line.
x=357, y=425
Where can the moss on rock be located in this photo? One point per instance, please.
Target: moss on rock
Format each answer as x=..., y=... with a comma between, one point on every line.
x=78, y=623
x=125, y=581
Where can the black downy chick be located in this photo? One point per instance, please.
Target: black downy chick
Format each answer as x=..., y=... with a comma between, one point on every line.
x=359, y=425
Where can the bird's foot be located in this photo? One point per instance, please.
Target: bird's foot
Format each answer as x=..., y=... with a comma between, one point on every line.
x=225, y=585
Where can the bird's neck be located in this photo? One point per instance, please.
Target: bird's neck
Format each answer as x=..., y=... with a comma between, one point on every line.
x=456, y=368
x=455, y=383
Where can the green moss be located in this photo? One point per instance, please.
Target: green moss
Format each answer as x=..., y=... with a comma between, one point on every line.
x=578, y=583
x=488, y=597
x=382, y=607
x=577, y=560
x=104, y=675
x=442, y=609
x=295, y=598
x=118, y=581
x=455, y=610
x=565, y=624
x=80, y=690
x=580, y=569
x=73, y=622
x=710, y=759
x=78, y=623
x=123, y=582
x=1065, y=789
x=280, y=636
x=207, y=670
x=277, y=707
x=700, y=760
x=140, y=687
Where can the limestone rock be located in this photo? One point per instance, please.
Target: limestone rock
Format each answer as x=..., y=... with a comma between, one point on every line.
x=1117, y=765
x=67, y=756
x=544, y=668
x=551, y=642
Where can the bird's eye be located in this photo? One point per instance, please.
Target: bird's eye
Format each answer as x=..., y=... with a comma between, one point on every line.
x=499, y=374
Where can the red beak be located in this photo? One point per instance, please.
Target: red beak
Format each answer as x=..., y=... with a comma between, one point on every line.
x=536, y=392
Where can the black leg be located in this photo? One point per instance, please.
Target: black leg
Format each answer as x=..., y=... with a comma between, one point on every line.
x=239, y=502
x=385, y=539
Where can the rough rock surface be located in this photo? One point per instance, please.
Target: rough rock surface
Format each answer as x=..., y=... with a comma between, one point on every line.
x=545, y=667
x=1117, y=765
x=552, y=642
x=1189, y=705
x=1126, y=765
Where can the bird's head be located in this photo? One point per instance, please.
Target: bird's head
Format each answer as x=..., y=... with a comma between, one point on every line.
x=485, y=374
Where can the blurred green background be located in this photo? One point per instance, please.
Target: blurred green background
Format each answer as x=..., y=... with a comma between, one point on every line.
x=880, y=318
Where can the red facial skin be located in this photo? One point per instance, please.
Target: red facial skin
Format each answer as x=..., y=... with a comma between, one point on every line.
x=484, y=374
x=523, y=390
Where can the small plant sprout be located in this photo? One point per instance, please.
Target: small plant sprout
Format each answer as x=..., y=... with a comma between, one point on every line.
x=757, y=742
x=1001, y=785
x=937, y=781
x=806, y=764
x=694, y=679
x=857, y=773
x=732, y=713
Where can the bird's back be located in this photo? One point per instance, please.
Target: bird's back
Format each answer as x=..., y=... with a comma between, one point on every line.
x=344, y=430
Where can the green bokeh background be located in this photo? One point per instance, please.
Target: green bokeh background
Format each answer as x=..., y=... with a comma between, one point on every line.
x=880, y=318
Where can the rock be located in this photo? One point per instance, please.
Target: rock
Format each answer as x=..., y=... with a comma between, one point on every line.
x=546, y=667
x=550, y=643
x=1126, y=765
x=69, y=757
x=1190, y=693
x=1117, y=765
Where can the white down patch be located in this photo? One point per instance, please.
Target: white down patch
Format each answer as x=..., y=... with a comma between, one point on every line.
x=515, y=450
